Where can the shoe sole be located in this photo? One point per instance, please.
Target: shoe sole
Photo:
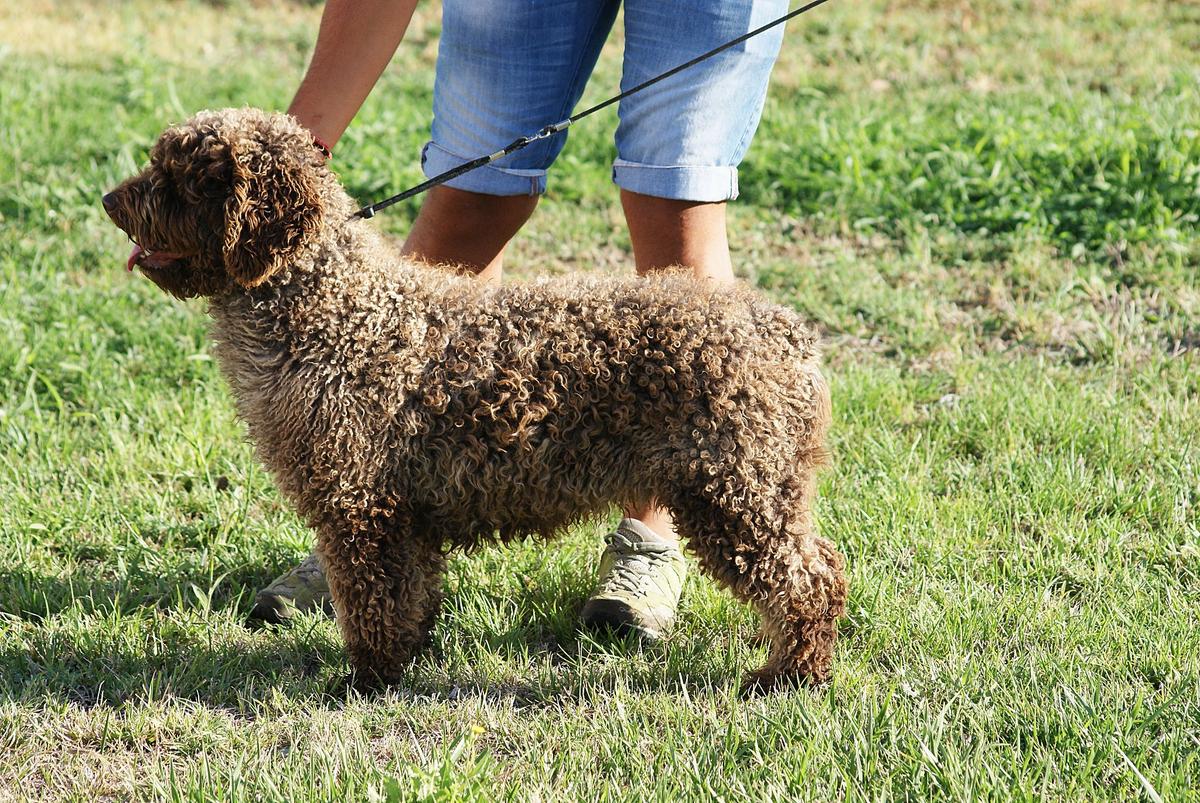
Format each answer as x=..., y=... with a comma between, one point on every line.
x=277, y=610
x=619, y=618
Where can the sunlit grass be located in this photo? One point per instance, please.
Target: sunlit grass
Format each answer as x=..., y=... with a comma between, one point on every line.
x=989, y=208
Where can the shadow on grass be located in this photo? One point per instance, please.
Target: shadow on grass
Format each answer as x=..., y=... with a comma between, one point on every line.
x=577, y=671
x=90, y=643
x=94, y=640
x=35, y=596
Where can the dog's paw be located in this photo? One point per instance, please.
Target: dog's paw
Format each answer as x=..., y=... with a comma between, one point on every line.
x=339, y=687
x=761, y=638
x=757, y=684
x=344, y=686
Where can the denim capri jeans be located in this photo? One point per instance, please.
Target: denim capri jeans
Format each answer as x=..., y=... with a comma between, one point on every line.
x=505, y=68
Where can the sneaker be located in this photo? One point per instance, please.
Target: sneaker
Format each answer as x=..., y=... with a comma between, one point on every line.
x=301, y=590
x=641, y=577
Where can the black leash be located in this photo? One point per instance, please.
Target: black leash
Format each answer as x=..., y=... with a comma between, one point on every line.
x=550, y=130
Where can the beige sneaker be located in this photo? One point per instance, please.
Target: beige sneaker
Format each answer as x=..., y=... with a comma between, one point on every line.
x=641, y=577
x=301, y=590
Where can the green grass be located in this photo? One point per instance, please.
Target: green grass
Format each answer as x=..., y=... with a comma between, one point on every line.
x=991, y=209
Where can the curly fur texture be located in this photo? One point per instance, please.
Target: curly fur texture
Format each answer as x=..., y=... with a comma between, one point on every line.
x=405, y=410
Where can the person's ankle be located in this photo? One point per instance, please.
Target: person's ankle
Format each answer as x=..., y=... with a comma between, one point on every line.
x=646, y=532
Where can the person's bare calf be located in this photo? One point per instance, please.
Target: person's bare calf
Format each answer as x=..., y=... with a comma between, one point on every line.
x=468, y=229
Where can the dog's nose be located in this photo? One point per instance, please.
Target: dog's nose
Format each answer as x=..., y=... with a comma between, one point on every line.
x=110, y=202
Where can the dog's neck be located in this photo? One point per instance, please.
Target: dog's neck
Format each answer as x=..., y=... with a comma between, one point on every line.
x=347, y=288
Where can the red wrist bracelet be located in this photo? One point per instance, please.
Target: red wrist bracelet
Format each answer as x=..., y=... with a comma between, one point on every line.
x=320, y=145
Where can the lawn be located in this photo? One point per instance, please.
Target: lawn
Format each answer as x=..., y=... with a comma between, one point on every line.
x=991, y=209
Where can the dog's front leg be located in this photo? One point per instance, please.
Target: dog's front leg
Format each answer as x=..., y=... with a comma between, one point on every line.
x=386, y=582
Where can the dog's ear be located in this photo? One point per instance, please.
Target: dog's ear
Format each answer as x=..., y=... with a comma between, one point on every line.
x=273, y=205
x=197, y=159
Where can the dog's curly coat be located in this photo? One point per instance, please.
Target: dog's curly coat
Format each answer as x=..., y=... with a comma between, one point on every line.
x=402, y=408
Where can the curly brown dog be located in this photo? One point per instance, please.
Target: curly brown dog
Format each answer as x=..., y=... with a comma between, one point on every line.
x=404, y=409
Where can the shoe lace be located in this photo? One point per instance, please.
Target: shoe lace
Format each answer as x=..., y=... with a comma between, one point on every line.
x=310, y=571
x=636, y=564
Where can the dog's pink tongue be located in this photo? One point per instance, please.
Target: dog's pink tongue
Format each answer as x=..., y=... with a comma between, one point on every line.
x=133, y=257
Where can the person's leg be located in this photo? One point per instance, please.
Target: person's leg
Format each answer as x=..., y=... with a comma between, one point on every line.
x=678, y=147
x=505, y=69
x=680, y=141
x=468, y=229
x=456, y=227
x=670, y=233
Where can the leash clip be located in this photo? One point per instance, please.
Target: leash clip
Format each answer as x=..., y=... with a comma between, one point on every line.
x=551, y=130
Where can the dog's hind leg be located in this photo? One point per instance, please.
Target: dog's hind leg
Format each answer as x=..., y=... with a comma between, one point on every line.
x=766, y=551
x=386, y=583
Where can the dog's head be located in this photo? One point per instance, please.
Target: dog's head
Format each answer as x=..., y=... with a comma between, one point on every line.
x=227, y=200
